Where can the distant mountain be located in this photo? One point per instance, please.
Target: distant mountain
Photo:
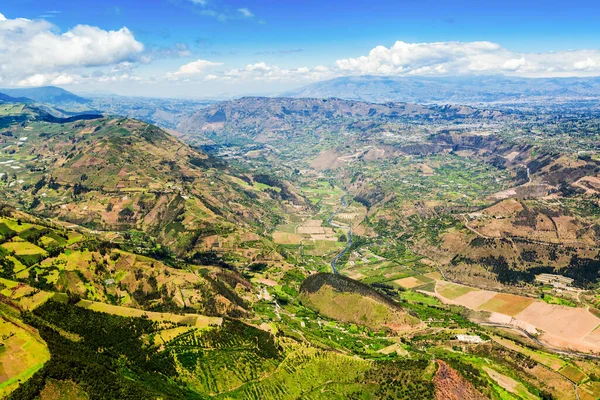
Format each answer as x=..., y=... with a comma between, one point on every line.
x=4, y=98
x=271, y=119
x=463, y=90
x=165, y=113
x=49, y=95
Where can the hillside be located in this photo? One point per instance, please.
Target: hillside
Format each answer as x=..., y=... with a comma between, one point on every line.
x=121, y=174
x=4, y=98
x=47, y=257
x=266, y=120
x=166, y=113
x=347, y=300
x=154, y=269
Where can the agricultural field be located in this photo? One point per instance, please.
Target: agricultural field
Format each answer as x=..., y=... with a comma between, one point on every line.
x=22, y=353
x=557, y=325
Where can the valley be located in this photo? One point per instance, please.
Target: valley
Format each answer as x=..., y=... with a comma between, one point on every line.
x=300, y=248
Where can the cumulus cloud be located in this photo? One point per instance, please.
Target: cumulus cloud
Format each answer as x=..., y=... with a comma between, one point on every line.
x=425, y=59
x=34, y=51
x=193, y=68
x=265, y=72
x=463, y=58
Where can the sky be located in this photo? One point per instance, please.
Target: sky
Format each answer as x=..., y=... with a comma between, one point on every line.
x=216, y=48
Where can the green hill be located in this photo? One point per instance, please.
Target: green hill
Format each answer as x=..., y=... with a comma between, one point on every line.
x=345, y=299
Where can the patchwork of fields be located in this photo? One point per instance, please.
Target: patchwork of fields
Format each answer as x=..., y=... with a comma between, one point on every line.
x=559, y=326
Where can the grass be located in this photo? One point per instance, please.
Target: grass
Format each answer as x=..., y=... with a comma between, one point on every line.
x=286, y=238
x=18, y=265
x=413, y=281
x=506, y=304
x=550, y=360
x=167, y=335
x=306, y=371
x=195, y=320
x=509, y=384
x=15, y=225
x=557, y=300
x=414, y=296
x=355, y=308
x=22, y=355
x=11, y=109
x=35, y=300
x=24, y=249
x=573, y=373
x=593, y=388
x=452, y=291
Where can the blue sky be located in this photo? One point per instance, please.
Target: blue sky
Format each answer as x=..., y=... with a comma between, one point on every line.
x=250, y=45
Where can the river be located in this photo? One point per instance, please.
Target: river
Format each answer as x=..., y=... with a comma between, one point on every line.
x=348, y=233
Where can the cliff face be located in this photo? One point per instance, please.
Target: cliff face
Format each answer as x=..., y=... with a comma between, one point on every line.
x=450, y=385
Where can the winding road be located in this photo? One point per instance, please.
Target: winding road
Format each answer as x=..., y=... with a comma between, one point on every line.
x=349, y=233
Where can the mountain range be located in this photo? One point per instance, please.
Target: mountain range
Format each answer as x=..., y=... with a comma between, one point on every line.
x=456, y=90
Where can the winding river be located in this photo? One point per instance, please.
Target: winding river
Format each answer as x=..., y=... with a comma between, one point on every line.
x=349, y=233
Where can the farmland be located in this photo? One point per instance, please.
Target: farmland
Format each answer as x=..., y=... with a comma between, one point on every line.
x=558, y=325
x=22, y=354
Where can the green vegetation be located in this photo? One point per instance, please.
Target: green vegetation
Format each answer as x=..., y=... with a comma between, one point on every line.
x=557, y=300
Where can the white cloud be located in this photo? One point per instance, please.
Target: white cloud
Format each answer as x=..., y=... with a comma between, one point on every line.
x=2, y=17
x=49, y=79
x=426, y=59
x=221, y=13
x=246, y=12
x=272, y=73
x=193, y=68
x=33, y=51
x=199, y=70
x=463, y=58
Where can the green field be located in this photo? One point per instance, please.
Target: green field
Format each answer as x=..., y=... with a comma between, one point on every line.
x=452, y=291
x=22, y=353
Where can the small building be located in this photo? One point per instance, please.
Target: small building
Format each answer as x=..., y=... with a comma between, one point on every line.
x=558, y=281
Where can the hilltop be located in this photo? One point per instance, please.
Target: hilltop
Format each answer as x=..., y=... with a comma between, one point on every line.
x=345, y=299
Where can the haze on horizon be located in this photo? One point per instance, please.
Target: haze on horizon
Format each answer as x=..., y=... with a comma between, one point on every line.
x=212, y=48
